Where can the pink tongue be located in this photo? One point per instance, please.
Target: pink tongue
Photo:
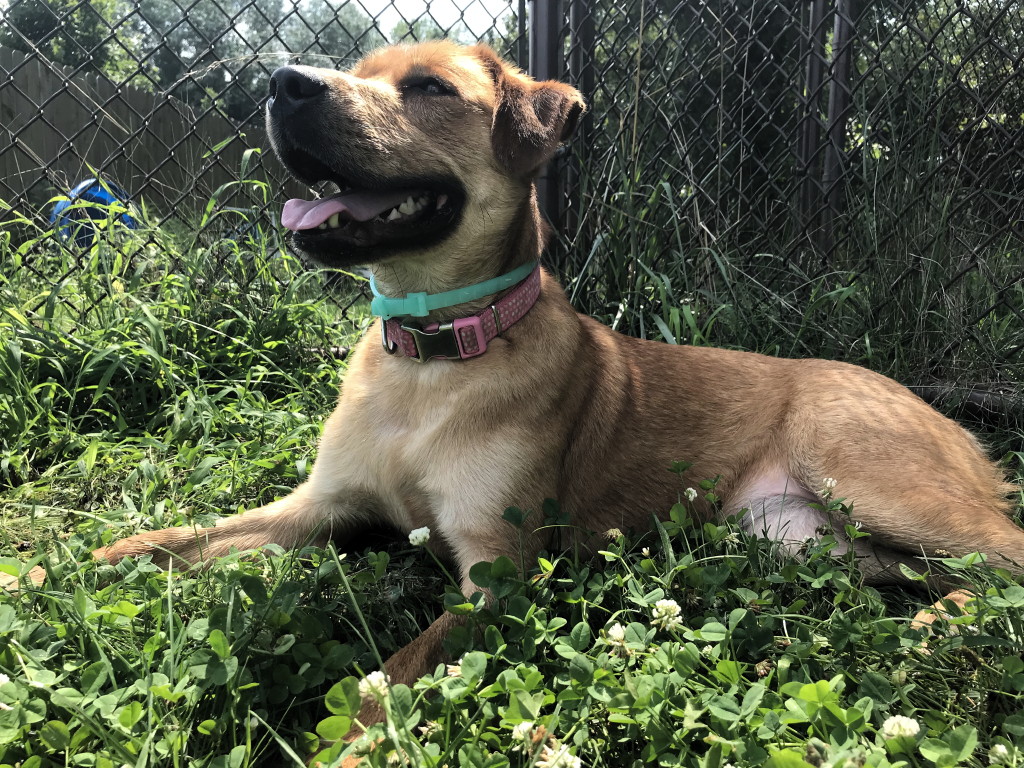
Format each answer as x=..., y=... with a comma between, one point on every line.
x=360, y=206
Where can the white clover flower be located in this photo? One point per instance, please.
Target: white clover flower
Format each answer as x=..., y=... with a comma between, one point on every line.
x=374, y=685
x=4, y=678
x=613, y=533
x=731, y=538
x=419, y=536
x=829, y=483
x=690, y=494
x=558, y=755
x=898, y=726
x=454, y=670
x=429, y=728
x=5, y=707
x=616, y=637
x=707, y=650
x=523, y=731
x=646, y=551
x=617, y=634
x=998, y=755
x=666, y=614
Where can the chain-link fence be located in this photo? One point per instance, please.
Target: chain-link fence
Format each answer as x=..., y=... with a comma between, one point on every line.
x=164, y=97
x=777, y=122
x=810, y=152
x=855, y=164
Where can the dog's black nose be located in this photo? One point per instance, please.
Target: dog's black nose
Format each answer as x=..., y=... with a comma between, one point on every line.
x=291, y=87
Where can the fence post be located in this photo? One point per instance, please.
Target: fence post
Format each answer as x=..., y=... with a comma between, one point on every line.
x=581, y=74
x=546, y=63
x=839, y=102
x=810, y=130
x=522, y=40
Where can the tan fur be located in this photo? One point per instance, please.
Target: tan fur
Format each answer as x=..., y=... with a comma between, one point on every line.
x=562, y=407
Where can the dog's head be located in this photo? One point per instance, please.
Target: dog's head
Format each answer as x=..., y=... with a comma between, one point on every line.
x=433, y=147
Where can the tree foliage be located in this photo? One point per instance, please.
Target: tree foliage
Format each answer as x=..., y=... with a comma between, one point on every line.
x=222, y=51
x=72, y=33
x=204, y=52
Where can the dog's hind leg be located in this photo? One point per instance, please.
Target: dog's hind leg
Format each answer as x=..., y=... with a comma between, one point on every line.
x=792, y=522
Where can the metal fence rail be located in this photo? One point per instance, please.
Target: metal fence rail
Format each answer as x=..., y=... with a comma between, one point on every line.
x=779, y=142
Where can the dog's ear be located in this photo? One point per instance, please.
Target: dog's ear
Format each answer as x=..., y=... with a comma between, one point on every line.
x=530, y=118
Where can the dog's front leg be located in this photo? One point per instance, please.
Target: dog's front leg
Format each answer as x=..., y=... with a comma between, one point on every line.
x=332, y=502
x=407, y=665
x=303, y=517
x=492, y=539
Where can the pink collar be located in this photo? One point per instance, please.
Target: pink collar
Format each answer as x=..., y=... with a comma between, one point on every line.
x=464, y=337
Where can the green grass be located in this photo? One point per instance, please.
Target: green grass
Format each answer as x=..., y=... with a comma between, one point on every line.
x=156, y=381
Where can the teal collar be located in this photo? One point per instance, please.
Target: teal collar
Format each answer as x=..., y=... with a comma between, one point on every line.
x=421, y=304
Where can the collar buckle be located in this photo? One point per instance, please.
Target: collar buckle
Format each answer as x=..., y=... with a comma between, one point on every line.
x=460, y=339
x=440, y=342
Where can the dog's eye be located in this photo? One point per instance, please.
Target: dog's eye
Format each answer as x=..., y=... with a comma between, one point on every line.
x=428, y=85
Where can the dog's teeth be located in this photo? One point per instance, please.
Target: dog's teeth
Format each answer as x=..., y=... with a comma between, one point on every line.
x=322, y=225
x=421, y=203
x=394, y=214
x=334, y=222
x=441, y=200
x=409, y=206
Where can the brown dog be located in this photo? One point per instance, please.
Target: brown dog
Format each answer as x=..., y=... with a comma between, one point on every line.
x=436, y=147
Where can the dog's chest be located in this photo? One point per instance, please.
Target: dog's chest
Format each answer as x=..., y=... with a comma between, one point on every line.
x=427, y=448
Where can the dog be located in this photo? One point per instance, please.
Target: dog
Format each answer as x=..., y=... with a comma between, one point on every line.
x=481, y=388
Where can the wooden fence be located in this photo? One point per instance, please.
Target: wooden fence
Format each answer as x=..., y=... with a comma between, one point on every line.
x=61, y=127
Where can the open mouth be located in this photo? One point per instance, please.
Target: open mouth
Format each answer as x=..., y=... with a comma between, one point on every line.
x=359, y=223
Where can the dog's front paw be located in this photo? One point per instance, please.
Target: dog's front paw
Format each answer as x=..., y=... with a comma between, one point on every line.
x=945, y=609
x=175, y=547
x=10, y=583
